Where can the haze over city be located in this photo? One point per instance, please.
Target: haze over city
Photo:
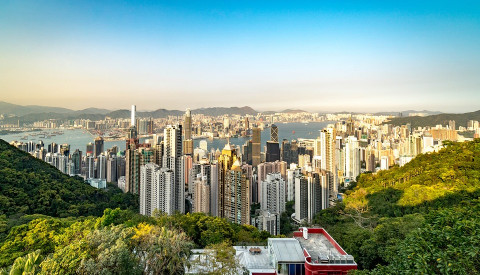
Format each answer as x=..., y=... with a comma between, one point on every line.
x=315, y=56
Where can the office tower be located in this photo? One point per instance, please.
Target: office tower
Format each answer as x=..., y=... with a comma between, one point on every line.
x=201, y=195
x=328, y=140
x=90, y=173
x=273, y=152
x=274, y=133
x=90, y=148
x=77, y=161
x=350, y=126
x=98, y=146
x=101, y=167
x=352, y=158
x=273, y=193
x=112, y=169
x=256, y=141
x=70, y=168
x=172, y=160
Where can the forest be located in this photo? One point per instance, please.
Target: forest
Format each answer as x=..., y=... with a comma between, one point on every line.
x=51, y=223
x=422, y=218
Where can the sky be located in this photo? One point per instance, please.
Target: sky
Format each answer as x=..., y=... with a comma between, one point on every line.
x=271, y=55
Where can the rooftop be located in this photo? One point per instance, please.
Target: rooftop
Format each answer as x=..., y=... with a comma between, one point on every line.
x=255, y=262
x=322, y=248
x=287, y=250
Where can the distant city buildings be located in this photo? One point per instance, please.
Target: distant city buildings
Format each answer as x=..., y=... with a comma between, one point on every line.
x=172, y=163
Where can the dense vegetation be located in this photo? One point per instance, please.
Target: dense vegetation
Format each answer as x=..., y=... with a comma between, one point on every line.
x=31, y=186
x=51, y=223
x=422, y=218
x=417, y=121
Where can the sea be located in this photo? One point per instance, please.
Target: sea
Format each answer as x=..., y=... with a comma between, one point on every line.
x=78, y=138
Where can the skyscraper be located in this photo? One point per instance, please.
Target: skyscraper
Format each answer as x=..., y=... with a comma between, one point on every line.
x=233, y=188
x=256, y=141
x=274, y=133
x=188, y=141
x=327, y=137
x=156, y=190
x=98, y=146
x=172, y=160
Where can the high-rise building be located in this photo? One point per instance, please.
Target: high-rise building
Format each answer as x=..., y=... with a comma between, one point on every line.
x=90, y=148
x=90, y=173
x=201, y=194
x=311, y=195
x=274, y=133
x=98, y=146
x=256, y=141
x=156, y=190
x=352, y=158
x=233, y=188
x=328, y=140
x=112, y=169
x=273, y=151
x=273, y=193
x=132, y=170
x=172, y=160
x=188, y=141
x=101, y=166
x=77, y=161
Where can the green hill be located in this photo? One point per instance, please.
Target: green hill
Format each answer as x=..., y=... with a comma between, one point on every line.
x=422, y=218
x=51, y=223
x=416, y=121
x=31, y=186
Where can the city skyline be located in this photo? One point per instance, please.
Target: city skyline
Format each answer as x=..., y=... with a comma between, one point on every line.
x=314, y=56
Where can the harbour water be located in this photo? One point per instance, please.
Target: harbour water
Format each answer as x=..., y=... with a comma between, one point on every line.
x=78, y=138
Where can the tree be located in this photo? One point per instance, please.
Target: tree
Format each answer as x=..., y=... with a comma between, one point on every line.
x=218, y=259
x=161, y=250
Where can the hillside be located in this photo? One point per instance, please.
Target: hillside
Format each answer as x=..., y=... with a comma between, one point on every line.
x=51, y=223
x=433, y=120
x=414, y=219
x=31, y=186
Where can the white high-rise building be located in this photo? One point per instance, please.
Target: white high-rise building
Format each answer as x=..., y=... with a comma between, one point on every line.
x=156, y=190
x=172, y=160
x=352, y=158
x=327, y=139
x=292, y=173
x=132, y=118
x=273, y=193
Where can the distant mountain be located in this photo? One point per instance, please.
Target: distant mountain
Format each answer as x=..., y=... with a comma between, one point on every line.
x=407, y=113
x=30, y=114
x=96, y=111
x=293, y=111
x=417, y=121
x=217, y=111
x=18, y=110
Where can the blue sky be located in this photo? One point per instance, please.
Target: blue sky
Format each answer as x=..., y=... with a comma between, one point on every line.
x=313, y=55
